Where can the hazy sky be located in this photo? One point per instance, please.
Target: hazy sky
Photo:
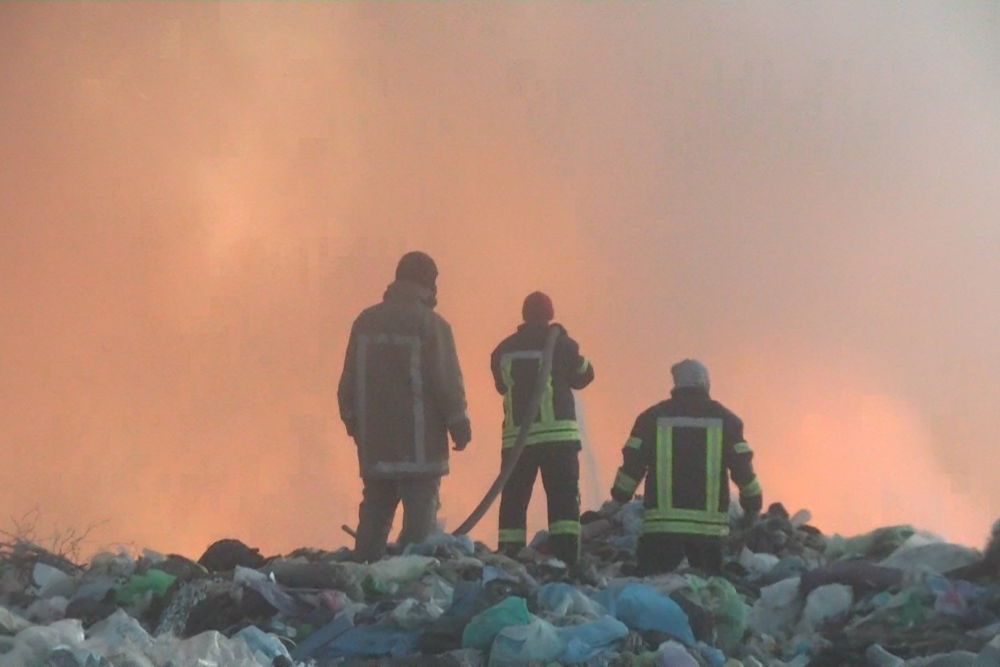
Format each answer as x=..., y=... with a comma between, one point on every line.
x=197, y=198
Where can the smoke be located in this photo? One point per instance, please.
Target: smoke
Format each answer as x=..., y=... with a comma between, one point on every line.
x=198, y=198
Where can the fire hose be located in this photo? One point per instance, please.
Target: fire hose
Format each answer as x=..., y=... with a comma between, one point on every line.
x=541, y=381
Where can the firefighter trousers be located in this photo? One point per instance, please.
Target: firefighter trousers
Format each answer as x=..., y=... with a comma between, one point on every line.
x=378, y=509
x=560, y=467
x=663, y=552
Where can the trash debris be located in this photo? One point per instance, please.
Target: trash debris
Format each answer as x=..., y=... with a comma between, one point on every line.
x=893, y=597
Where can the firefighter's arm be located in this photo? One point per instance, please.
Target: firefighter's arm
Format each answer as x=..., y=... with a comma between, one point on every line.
x=580, y=370
x=346, y=389
x=498, y=382
x=448, y=384
x=739, y=460
x=633, y=467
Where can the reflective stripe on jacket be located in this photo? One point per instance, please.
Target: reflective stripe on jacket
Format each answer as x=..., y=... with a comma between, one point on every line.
x=515, y=363
x=401, y=385
x=684, y=448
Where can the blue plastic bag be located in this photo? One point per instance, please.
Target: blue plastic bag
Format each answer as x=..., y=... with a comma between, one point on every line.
x=643, y=608
x=379, y=639
x=587, y=641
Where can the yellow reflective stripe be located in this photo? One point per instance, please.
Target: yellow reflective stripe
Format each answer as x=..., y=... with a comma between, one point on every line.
x=741, y=448
x=557, y=431
x=751, y=488
x=713, y=467
x=513, y=535
x=679, y=514
x=547, y=409
x=633, y=443
x=685, y=528
x=508, y=397
x=567, y=527
x=664, y=466
x=625, y=483
x=584, y=365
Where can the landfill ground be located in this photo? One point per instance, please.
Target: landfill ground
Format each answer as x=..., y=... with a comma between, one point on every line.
x=788, y=595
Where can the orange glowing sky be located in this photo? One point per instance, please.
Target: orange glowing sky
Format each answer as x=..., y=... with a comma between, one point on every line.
x=197, y=198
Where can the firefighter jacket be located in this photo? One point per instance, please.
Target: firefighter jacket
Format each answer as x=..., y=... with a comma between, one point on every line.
x=684, y=447
x=515, y=363
x=402, y=386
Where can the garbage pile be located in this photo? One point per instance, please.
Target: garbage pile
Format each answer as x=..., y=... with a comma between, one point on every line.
x=788, y=595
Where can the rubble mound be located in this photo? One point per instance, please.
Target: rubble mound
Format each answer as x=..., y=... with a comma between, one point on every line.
x=788, y=595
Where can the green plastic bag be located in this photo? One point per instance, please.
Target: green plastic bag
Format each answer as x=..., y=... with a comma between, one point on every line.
x=718, y=597
x=154, y=580
x=483, y=628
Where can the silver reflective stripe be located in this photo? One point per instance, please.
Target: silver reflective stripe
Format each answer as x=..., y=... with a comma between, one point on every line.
x=416, y=383
x=522, y=354
x=689, y=422
x=507, y=369
x=417, y=378
x=361, y=400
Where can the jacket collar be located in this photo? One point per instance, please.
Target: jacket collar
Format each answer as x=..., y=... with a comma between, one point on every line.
x=404, y=290
x=689, y=392
x=533, y=326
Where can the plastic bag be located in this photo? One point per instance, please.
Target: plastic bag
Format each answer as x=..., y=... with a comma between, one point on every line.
x=208, y=649
x=65, y=656
x=483, y=628
x=32, y=645
x=410, y=614
x=401, y=569
x=446, y=542
x=720, y=599
x=937, y=556
x=642, y=608
x=52, y=581
x=262, y=644
x=826, y=603
x=561, y=599
x=155, y=582
x=535, y=642
x=588, y=640
x=11, y=623
x=119, y=630
x=672, y=654
x=777, y=608
x=879, y=657
x=757, y=565
x=380, y=639
x=879, y=543
x=269, y=589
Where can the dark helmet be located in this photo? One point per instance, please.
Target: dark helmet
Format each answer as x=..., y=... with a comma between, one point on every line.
x=418, y=267
x=537, y=308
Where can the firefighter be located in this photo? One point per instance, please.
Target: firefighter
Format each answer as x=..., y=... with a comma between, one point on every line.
x=553, y=442
x=401, y=395
x=684, y=446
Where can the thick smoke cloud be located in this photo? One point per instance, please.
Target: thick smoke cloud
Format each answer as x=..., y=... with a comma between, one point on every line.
x=197, y=199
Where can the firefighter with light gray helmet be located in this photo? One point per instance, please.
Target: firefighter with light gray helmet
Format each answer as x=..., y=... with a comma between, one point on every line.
x=684, y=447
x=401, y=394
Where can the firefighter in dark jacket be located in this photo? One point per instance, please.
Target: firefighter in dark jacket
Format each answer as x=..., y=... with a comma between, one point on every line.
x=684, y=447
x=401, y=395
x=553, y=443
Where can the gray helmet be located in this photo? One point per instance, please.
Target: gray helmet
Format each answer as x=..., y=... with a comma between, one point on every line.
x=690, y=373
